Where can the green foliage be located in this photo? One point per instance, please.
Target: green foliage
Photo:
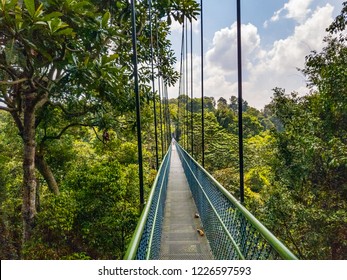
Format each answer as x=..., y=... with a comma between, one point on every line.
x=75, y=59
x=10, y=190
x=295, y=149
x=127, y=153
x=295, y=153
x=96, y=212
x=106, y=214
x=310, y=169
x=57, y=213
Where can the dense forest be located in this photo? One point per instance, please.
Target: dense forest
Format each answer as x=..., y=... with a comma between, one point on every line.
x=69, y=186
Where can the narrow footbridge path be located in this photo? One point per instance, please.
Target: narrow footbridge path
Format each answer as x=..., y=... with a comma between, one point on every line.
x=180, y=236
x=189, y=215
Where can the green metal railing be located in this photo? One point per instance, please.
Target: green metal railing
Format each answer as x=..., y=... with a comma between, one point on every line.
x=145, y=243
x=233, y=232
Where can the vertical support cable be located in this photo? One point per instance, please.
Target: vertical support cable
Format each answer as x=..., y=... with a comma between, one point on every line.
x=137, y=95
x=161, y=119
x=159, y=90
x=180, y=84
x=183, y=84
x=191, y=89
x=169, y=118
x=167, y=115
x=164, y=111
x=153, y=86
x=202, y=87
x=239, y=69
x=187, y=87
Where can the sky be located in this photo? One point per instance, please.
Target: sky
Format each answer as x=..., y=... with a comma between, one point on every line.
x=276, y=37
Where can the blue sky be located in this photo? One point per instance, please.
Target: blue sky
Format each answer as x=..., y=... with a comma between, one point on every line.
x=276, y=37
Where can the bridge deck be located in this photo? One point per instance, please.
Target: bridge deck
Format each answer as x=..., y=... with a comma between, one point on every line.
x=180, y=238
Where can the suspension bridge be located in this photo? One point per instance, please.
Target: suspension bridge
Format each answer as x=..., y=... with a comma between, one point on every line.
x=188, y=214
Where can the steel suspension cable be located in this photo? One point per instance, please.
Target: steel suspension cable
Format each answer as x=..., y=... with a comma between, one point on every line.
x=202, y=86
x=153, y=85
x=191, y=89
x=180, y=84
x=137, y=96
x=164, y=111
x=183, y=97
x=161, y=119
x=186, y=86
x=159, y=91
x=240, y=124
x=168, y=115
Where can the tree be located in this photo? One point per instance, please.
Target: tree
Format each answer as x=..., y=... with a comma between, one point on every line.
x=310, y=177
x=65, y=64
x=222, y=103
x=234, y=101
x=302, y=198
x=41, y=50
x=326, y=72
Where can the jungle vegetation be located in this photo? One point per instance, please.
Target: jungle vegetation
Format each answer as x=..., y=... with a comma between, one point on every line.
x=68, y=146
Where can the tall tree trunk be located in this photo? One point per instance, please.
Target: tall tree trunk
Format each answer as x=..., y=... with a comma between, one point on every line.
x=40, y=162
x=47, y=173
x=29, y=178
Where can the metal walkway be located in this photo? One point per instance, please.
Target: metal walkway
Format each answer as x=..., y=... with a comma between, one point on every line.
x=180, y=238
x=167, y=228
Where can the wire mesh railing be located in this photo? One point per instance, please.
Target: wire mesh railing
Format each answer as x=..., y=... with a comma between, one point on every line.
x=233, y=232
x=145, y=243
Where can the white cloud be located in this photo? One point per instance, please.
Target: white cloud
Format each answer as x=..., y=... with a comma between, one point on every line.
x=293, y=9
x=223, y=52
x=263, y=68
x=297, y=9
x=278, y=66
x=221, y=62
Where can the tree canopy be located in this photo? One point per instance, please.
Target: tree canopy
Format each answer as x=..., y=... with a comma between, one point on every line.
x=68, y=148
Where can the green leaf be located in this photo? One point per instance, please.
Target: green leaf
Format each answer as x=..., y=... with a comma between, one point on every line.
x=81, y=5
x=30, y=5
x=105, y=19
x=113, y=57
x=38, y=12
x=86, y=61
x=107, y=59
x=52, y=15
x=18, y=17
x=66, y=31
x=119, y=5
x=40, y=23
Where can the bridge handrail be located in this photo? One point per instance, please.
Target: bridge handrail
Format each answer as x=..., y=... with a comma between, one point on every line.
x=138, y=234
x=276, y=244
